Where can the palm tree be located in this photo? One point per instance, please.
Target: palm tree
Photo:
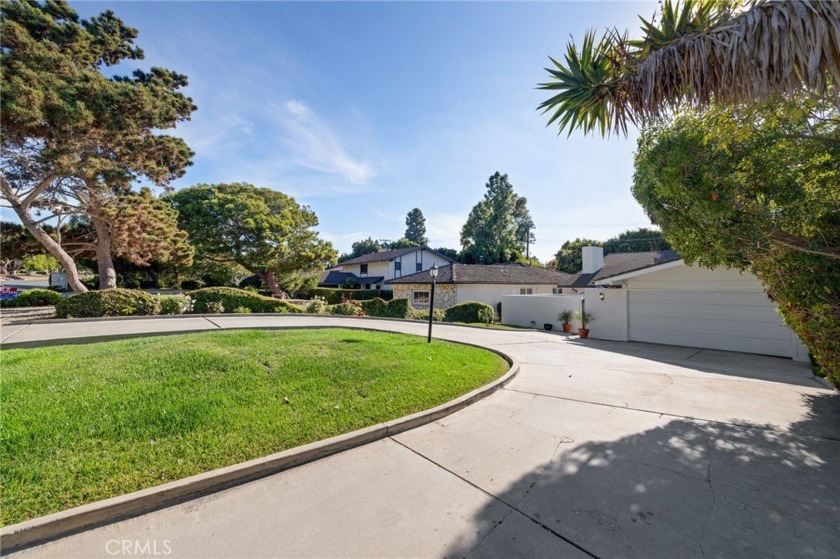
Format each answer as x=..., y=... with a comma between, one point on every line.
x=698, y=52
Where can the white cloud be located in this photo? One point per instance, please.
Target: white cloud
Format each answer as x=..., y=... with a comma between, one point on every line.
x=314, y=144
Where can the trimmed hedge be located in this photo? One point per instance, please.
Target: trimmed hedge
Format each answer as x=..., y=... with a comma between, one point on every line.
x=397, y=308
x=33, y=298
x=335, y=296
x=175, y=304
x=232, y=299
x=470, y=312
x=110, y=302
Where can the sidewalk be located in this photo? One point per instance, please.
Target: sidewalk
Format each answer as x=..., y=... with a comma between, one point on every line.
x=598, y=449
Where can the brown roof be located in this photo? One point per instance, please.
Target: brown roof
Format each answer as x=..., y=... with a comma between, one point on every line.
x=386, y=255
x=619, y=263
x=489, y=273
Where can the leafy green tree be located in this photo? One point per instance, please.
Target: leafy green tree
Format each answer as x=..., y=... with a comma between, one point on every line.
x=398, y=244
x=696, y=52
x=568, y=259
x=415, y=227
x=498, y=226
x=40, y=263
x=637, y=240
x=756, y=188
x=264, y=231
x=360, y=248
x=15, y=244
x=448, y=252
x=73, y=138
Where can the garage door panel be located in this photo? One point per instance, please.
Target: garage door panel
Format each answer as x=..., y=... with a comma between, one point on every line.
x=745, y=322
x=726, y=343
x=695, y=326
x=738, y=313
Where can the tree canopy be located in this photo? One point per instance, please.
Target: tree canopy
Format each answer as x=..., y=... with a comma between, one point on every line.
x=756, y=188
x=415, y=227
x=263, y=230
x=499, y=226
x=695, y=52
x=74, y=138
x=360, y=248
x=569, y=259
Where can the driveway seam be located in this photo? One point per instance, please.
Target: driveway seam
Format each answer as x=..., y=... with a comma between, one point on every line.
x=16, y=332
x=513, y=508
x=213, y=323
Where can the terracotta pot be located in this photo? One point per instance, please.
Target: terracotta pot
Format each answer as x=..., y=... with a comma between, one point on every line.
x=567, y=327
x=583, y=332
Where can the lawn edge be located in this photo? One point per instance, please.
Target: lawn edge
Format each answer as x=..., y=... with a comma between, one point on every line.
x=85, y=517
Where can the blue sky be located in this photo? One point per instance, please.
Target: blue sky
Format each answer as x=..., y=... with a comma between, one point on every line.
x=365, y=110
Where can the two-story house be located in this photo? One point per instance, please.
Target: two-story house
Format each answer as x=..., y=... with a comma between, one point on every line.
x=371, y=271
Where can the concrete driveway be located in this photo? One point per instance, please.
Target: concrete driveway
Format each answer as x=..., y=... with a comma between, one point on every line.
x=596, y=449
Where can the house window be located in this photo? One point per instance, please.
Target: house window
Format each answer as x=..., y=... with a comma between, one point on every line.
x=419, y=266
x=526, y=290
x=363, y=268
x=557, y=290
x=397, y=266
x=421, y=297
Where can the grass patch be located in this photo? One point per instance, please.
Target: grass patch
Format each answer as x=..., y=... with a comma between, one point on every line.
x=87, y=422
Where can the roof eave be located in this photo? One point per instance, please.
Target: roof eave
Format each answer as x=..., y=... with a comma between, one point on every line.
x=612, y=280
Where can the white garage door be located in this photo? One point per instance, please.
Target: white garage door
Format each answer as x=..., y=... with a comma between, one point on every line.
x=745, y=322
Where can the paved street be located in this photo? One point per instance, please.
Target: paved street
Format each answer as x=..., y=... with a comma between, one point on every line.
x=596, y=449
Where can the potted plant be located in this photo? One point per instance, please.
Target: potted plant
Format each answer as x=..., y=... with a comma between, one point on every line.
x=585, y=318
x=566, y=318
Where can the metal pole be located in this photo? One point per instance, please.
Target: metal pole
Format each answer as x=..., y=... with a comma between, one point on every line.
x=528, y=245
x=431, y=310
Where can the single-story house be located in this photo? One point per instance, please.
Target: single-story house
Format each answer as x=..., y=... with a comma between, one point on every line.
x=656, y=297
x=458, y=283
x=372, y=271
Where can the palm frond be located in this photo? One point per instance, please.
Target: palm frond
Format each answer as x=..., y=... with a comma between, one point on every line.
x=698, y=52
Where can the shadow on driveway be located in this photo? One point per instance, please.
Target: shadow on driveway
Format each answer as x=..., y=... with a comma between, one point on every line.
x=683, y=489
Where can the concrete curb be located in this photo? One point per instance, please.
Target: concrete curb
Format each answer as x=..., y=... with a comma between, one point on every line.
x=64, y=523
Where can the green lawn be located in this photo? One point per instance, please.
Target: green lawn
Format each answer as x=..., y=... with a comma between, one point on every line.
x=86, y=422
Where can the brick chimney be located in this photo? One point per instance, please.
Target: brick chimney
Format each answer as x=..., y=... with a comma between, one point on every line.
x=593, y=259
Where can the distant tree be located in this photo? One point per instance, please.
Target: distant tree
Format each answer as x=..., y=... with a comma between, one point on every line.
x=264, y=231
x=448, y=252
x=74, y=138
x=568, y=259
x=398, y=244
x=40, y=263
x=360, y=248
x=415, y=227
x=15, y=244
x=637, y=240
x=498, y=226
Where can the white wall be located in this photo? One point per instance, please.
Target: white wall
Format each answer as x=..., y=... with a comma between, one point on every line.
x=492, y=293
x=409, y=263
x=609, y=317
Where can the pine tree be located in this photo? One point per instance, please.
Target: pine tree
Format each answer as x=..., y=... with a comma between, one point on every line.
x=415, y=227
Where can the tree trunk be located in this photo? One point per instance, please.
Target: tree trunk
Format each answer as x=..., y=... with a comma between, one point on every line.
x=268, y=278
x=49, y=243
x=107, y=272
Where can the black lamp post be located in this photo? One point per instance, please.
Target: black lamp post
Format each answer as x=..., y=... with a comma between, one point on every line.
x=433, y=272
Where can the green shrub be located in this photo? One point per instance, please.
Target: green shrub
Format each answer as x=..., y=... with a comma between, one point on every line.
x=348, y=308
x=232, y=298
x=214, y=307
x=470, y=312
x=423, y=314
x=242, y=310
x=175, y=304
x=317, y=306
x=400, y=308
x=110, y=302
x=33, y=298
x=335, y=296
x=375, y=307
